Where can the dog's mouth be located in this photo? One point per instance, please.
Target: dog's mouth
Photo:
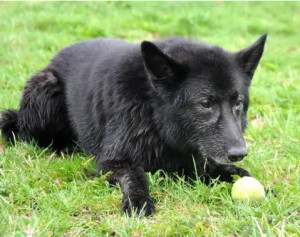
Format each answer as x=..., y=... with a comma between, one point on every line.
x=228, y=159
x=224, y=160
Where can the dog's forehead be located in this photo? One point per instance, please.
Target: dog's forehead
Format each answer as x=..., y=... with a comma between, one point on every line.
x=211, y=69
x=210, y=86
x=214, y=72
x=220, y=78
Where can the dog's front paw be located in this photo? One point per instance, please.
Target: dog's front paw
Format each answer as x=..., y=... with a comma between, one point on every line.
x=226, y=172
x=137, y=206
x=241, y=172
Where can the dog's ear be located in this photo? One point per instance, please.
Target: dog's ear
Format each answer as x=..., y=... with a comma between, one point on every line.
x=163, y=70
x=249, y=58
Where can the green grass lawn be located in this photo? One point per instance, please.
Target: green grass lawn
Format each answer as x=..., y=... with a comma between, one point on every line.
x=47, y=195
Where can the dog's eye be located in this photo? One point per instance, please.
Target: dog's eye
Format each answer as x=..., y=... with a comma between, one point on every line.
x=206, y=104
x=238, y=103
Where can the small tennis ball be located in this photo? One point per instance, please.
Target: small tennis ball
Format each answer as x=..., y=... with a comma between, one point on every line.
x=247, y=189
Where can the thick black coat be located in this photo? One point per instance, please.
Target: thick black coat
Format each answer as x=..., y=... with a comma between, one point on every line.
x=141, y=108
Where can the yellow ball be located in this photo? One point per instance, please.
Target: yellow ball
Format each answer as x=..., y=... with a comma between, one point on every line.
x=247, y=189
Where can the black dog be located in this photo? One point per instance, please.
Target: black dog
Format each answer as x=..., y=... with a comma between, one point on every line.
x=174, y=104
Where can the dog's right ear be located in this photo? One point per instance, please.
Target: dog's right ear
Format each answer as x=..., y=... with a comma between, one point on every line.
x=163, y=70
x=249, y=58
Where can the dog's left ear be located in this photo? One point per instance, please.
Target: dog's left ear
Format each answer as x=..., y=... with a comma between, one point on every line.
x=249, y=58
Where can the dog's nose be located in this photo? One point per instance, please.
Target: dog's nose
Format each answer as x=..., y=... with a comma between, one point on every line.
x=236, y=154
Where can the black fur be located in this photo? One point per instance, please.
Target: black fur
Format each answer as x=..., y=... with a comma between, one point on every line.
x=8, y=125
x=140, y=108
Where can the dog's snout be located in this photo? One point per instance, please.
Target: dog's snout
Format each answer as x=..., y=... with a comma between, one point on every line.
x=237, y=153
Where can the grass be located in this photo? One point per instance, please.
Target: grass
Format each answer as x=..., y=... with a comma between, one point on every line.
x=42, y=194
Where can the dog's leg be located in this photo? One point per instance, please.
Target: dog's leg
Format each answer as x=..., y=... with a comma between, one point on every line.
x=134, y=186
x=225, y=172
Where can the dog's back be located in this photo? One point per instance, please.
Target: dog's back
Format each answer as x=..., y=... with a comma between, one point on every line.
x=57, y=101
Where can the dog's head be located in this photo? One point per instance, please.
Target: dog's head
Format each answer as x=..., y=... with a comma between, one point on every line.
x=203, y=94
